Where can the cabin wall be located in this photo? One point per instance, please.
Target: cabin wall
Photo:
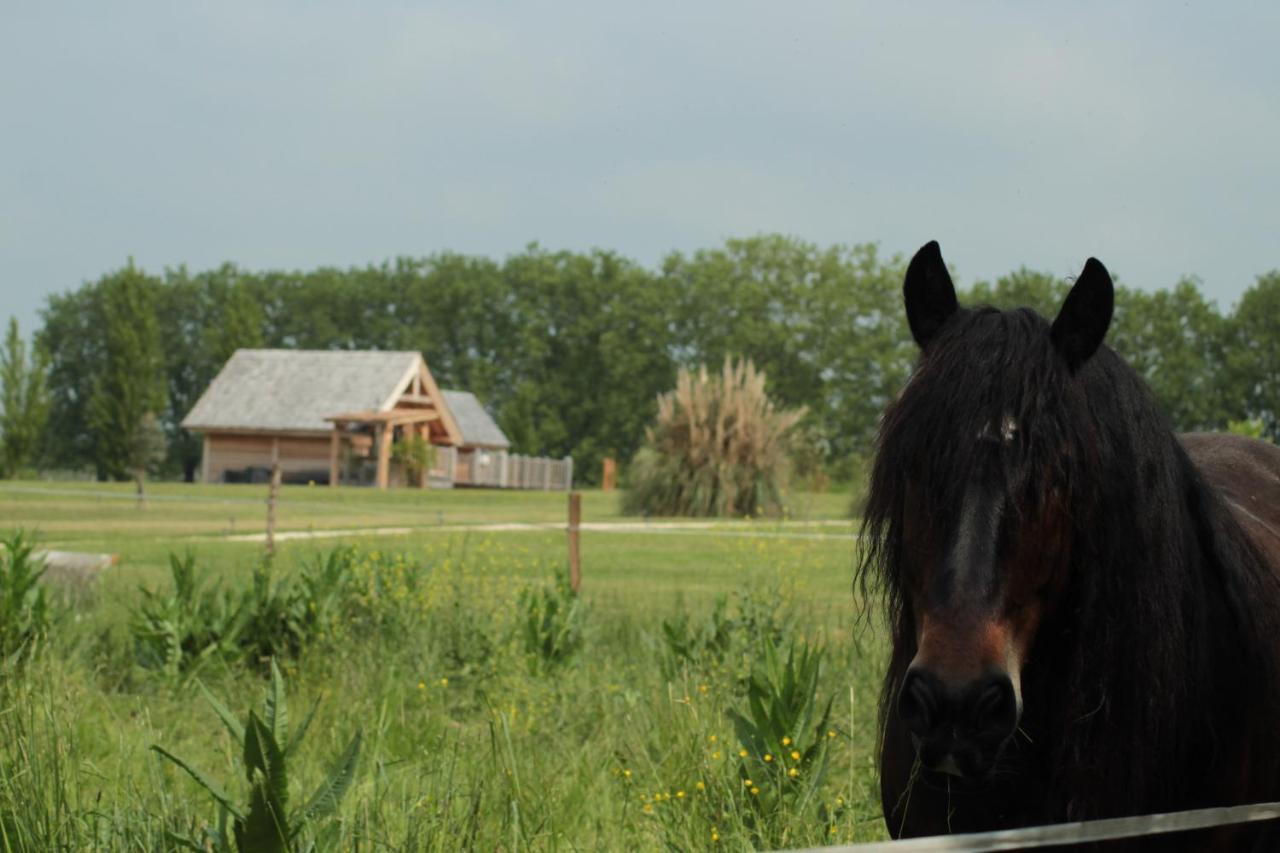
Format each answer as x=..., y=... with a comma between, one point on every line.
x=299, y=457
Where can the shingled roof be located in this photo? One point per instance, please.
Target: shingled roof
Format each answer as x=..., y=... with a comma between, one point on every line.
x=478, y=429
x=274, y=390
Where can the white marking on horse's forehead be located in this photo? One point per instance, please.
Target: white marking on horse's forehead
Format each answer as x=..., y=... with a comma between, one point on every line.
x=1008, y=430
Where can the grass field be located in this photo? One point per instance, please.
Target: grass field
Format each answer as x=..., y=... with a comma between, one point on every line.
x=486, y=722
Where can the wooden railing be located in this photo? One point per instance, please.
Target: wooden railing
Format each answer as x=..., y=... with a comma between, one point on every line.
x=499, y=469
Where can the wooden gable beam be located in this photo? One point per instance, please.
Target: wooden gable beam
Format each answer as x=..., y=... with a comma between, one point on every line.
x=433, y=391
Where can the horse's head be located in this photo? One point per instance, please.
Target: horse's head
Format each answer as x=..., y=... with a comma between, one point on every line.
x=976, y=483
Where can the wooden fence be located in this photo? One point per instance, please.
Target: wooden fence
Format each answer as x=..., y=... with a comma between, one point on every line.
x=1081, y=832
x=498, y=469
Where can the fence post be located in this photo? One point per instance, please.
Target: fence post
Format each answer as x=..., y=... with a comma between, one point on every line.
x=575, y=555
x=273, y=490
x=568, y=473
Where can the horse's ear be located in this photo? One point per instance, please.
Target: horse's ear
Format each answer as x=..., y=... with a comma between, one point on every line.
x=929, y=293
x=1082, y=323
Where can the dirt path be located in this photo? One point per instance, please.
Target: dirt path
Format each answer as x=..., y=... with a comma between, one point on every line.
x=776, y=530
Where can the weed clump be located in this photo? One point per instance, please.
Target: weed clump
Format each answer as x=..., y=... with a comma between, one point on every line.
x=25, y=615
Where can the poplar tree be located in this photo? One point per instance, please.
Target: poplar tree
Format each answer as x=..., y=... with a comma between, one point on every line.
x=25, y=399
x=129, y=382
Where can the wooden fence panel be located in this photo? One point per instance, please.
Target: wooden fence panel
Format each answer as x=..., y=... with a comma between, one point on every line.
x=503, y=470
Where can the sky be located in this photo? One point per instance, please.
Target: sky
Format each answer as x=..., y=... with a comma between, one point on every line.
x=301, y=134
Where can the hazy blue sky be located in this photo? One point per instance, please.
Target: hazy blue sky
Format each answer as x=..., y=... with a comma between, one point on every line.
x=298, y=134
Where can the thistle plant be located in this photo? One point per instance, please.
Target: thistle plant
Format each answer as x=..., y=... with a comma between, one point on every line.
x=265, y=823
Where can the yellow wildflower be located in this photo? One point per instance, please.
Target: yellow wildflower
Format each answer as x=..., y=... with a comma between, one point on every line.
x=626, y=773
x=700, y=786
x=422, y=685
x=713, y=738
x=444, y=682
x=831, y=733
x=793, y=772
x=768, y=757
x=648, y=809
x=716, y=755
x=742, y=753
x=679, y=795
x=786, y=741
x=795, y=755
x=755, y=792
x=747, y=782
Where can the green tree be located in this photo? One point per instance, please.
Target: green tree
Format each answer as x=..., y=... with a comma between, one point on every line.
x=592, y=352
x=129, y=383
x=208, y=317
x=72, y=341
x=25, y=401
x=1254, y=352
x=1176, y=340
x=826, y=325
x=459, y=313
x=1023, y=288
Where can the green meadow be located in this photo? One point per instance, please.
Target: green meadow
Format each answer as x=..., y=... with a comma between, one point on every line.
x=713, y=686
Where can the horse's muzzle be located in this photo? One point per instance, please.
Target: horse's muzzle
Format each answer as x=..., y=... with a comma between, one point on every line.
x=958, y=729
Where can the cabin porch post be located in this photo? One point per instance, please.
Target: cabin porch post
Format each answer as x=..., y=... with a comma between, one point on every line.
x=384, y=455
x=335, y=451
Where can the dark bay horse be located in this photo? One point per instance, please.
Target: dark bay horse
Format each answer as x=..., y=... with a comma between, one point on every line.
x=1085, y=608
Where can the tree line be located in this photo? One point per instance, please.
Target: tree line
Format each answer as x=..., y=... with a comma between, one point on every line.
x=569, y=350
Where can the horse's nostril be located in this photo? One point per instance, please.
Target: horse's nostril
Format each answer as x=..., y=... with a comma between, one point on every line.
x=995, y=708
x=918, y=702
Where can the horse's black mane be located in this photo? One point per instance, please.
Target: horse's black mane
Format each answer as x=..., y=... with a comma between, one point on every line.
x=1161, y=639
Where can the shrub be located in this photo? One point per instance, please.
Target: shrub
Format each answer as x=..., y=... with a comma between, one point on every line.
x=719, y=447
x=273, y=617
x=551, y=623
x=24, y=607
x=725, y=638
x=1251, y=428
x=415, y=455
x=179, y=632
x=703, y=644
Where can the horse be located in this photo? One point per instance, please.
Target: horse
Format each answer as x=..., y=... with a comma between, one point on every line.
x=1084, y=607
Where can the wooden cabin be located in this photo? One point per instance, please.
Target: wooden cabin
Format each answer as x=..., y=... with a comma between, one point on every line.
x=333, y=417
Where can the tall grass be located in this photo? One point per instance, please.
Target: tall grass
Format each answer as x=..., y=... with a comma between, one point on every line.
x=719, y=447
x=626, y=734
